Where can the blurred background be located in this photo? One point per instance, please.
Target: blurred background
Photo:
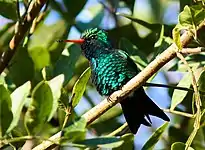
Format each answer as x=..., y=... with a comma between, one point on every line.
x=143, y=28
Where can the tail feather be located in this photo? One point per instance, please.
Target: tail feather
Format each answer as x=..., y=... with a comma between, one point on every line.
x=137, y=107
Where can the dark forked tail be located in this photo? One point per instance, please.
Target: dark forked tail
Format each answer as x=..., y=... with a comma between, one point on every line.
x=137, y=107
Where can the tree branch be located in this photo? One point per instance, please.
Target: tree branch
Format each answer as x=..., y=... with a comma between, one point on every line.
x=132, y=85
x=21, y=29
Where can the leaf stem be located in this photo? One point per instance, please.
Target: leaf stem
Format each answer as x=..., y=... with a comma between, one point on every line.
x=68, y=111
x=179, y=113
x=168, y=86
x=23, y=138
x=197, y=103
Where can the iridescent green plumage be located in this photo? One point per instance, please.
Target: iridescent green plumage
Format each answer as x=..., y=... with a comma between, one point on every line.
x=111, y=69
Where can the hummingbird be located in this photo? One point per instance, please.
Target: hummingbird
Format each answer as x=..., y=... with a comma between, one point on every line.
x=111, y=68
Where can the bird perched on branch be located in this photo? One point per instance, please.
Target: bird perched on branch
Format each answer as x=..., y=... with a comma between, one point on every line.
x=111, y=69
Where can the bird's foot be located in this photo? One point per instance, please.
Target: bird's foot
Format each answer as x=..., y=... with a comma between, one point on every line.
x=109, y=99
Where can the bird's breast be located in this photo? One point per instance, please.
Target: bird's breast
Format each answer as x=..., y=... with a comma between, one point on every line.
x=108, y=75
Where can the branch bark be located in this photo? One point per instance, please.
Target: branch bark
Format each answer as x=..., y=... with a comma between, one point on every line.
x=133, y=84
x=21, y=29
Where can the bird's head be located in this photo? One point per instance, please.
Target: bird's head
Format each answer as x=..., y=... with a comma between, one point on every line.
x=95, y=37
x=92, y=41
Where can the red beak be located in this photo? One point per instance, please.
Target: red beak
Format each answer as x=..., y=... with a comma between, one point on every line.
x=79, y=41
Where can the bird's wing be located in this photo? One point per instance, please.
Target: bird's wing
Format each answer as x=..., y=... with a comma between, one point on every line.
x=130, y=65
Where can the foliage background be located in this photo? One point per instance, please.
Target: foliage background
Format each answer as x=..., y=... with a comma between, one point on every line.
x=42, y=78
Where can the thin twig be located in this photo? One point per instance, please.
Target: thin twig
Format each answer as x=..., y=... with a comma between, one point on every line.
x=68, y=111
x=197, y=103
x=196, y=50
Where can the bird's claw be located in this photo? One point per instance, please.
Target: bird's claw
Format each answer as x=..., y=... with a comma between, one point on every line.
x=109, y=99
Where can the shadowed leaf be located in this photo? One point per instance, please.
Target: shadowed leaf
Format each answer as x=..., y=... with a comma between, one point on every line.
x=5, y=110
x=179, y=95
x=18, y=100
x=102, y=142
x=8, y=9
x=201, y=86
x=179, y=146
x=55, y=85
x=21, y=67
x=80, y=86
x=66, y=63
x=138, y=56
x=40, y=108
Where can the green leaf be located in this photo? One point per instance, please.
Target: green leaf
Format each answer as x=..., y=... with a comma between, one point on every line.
x=2, y=80
x=66, y=63
x=161, y=37
x=138, y=56
x=177, y=133
x=162, y=44
x=179, y=146
x=176, y=37
x=102, y=142
x=76, y=131
x=179, y=95
x=21, y=61
x=183, y=3
x=5, y=111
x=79, y=87
x=203, y=119
x=150, y=26
x=199, y=139
x=8, y=9
x=40, y=108
x=55, y=85
x=149, y=145
x=97, y=14
x=18, y=100
x=40, y=57
x=128, y=142
x=201, y=87
x=73, y=11
x=192, y=16
x=129, y=32
x=6, y=33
